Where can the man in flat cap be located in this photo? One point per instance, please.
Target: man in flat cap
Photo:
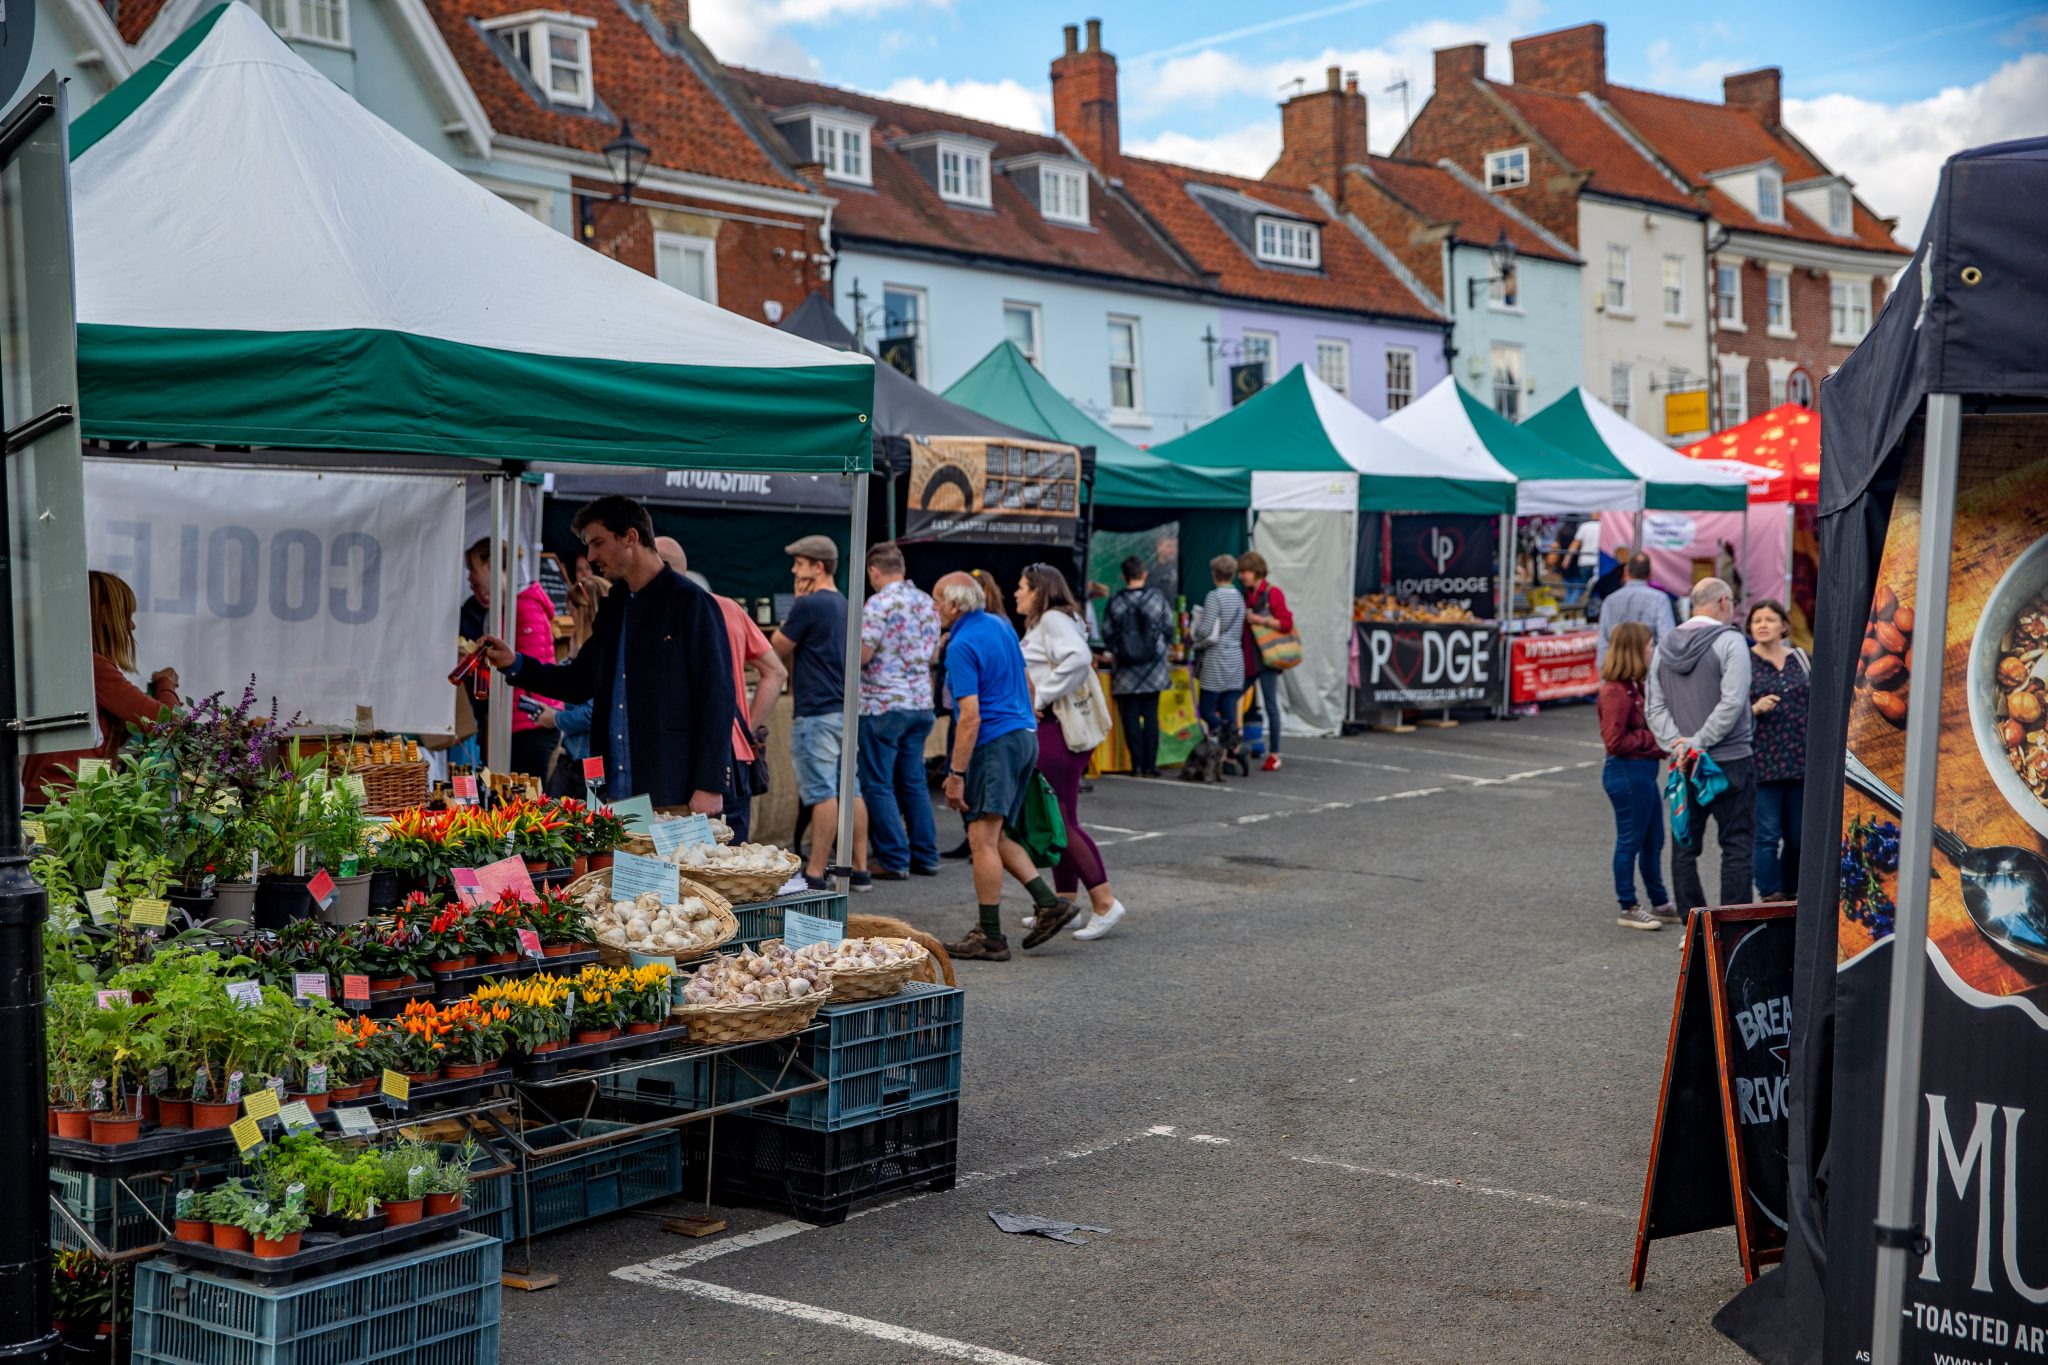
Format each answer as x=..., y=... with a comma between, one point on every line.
x=812, y=641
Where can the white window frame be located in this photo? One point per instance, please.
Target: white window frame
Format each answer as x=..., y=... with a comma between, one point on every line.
x=840, y=134
x=537, y=27
x=1673, y=268
x=1769, y=181
x=1841, y=210
x=1845, y=326
x=1621, y=388
x=1050, y=179
x=287, y=20
x=1500, y=173
x=1400, y=358
x=1340, y=349
x=1269, y=349
x=1290, y=242
x=688, y=242
x=1623, y=305
x=1136, y=407
x=1500, y=351
x=1797, y=377
x=1734, y=391
x=1781, y=276
x=1036, y=312
x=921, y=338
x=1728, y=306
x=969, y=172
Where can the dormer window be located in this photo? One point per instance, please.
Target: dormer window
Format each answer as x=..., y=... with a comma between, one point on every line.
x=842, y=148
x=1505, y=170
x=315, y=21
x=954, y=163
x=1770, y=196
x=555, y=50
x=1285, y=242
x=1063, y=195
x=1840, y=210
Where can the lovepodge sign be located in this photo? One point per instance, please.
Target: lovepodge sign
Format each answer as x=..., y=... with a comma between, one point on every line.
x=335, y=590
x=1402, y=664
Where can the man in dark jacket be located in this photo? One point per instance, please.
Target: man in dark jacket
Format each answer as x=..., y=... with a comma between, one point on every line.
x=656, y=670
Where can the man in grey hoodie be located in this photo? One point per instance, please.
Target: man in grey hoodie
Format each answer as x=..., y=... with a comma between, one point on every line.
x=1699, y=699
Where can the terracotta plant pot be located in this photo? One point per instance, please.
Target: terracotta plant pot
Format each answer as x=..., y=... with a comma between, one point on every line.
x=438, y=1204
x=208, y=1114
x=545, y=1048
x=422, y=1077
x=111, y=1128
x=557, y=949
x=497, y=959
x=600, y=862
x=464, y=1071
x=536, y=864
x=315, y=1102
x=284, y=1246
x=74, y=1123
x=596, y=1035
x=148, y=1110
x=230, y=1238
x=387, y=983
x=173, y=1113
x=580, y=865
x=448, y=964
x=642, y=1026
x=398, y=1212
x=194, y=1230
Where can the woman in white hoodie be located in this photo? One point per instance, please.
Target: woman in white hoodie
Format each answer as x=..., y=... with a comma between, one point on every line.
x=1058, y=662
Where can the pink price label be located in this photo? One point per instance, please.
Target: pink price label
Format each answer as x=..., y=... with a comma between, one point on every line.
x=529, y=942
x=355, y=988
x=321, y=888
x=465, y=788
x=593, y=769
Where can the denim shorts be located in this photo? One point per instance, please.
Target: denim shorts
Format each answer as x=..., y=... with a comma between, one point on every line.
x=814, y=744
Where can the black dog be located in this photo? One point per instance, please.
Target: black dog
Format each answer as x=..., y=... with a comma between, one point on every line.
x=1204, y=762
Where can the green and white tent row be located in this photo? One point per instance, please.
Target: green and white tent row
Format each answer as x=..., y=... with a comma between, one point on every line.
x=1009, y=388
x=1549, y=479
x=1306, y=444
x=1582, y=424
x=263, y=262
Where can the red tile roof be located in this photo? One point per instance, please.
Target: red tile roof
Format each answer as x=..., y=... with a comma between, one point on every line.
x=1476, y=217
x=672, y=107
x=1589, y=143
x=1697, y=138
x=132, y=18
x=1353, y=278
x=905, y=208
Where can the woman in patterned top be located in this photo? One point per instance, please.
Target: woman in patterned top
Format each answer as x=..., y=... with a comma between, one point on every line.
x=1217, y=630
x=1780, y=683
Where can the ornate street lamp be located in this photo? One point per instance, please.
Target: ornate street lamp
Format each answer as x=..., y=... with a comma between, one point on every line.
x=626, y=157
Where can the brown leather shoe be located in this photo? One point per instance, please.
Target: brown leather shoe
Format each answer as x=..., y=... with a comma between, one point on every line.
x=979, y=947
x=1048, y=921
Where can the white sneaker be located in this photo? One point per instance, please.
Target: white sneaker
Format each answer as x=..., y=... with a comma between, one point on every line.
x=1101, y=922
x=1028, y=921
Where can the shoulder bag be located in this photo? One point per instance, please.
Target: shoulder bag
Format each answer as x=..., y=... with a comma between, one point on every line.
x=1279, y=650
x=1082, y=714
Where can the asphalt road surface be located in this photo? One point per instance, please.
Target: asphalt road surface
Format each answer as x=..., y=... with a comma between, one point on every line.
x=1367, y=1073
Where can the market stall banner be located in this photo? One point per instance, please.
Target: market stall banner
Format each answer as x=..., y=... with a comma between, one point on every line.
x=977, y=488
x=709, y=488
x=1425, y=666
x=1553, y=667
x=336, y=590
x=1981, y=1169
x=1451, y=558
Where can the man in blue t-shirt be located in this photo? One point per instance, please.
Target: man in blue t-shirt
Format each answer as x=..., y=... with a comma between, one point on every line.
x=812, y=641
x=992, y=764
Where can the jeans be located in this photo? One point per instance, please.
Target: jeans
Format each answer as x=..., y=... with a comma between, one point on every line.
x=1734, y=815
x=1218, y=709
x=814, y=753
x=1138, y=714
x=1780, y=807
x=1269, y=704
x=1081, y=862
x=1631, y=786
x=900, y=827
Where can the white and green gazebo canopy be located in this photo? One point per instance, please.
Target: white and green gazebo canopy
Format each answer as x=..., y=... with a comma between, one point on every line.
x=1548, y=478
x=261, y=261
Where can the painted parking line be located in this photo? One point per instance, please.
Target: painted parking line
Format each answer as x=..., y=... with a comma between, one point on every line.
x=947, y=1347
x=1444, y=1182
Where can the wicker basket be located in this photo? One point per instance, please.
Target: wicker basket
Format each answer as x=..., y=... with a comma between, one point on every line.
x=721, y=910
x=643, y=844
x=874, y=983
x=389, y=788
x=752, y=1023
x=745, y=888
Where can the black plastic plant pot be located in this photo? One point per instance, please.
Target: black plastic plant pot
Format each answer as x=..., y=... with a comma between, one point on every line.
x=197, y=904
x=282, y=899
x=384, y=891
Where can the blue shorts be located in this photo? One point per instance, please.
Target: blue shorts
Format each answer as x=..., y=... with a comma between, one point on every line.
x=814, y=745
x=999, y=774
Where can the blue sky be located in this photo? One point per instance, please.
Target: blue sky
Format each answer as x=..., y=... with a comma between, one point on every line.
x=1883, y=89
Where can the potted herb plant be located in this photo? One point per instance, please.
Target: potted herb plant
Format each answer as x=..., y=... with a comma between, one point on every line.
x=230, y=1207
x=190, y=1222
x=337, y=843
x=448, y=1183
x=287, y=814
x=406, y=1165
x=277, y=1230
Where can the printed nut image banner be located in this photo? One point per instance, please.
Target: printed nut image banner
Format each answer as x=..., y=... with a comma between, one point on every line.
x=976, y=488
x=1981, y=1162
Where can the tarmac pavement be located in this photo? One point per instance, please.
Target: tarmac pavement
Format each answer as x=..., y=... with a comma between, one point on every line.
x=1367, y=1073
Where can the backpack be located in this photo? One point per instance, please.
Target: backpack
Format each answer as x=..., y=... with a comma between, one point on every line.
x=1132, y=641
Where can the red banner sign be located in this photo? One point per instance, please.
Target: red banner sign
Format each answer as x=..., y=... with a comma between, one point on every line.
x=1553, y=667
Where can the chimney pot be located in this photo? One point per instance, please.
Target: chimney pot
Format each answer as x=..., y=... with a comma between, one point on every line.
x=1095, y=35
x=1758, y=91
x=1084, y=102
x=1351, y=84
x=1333, y=78
x=1073, y=33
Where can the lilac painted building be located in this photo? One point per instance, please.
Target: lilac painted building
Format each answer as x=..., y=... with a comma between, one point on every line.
x=1379, y=364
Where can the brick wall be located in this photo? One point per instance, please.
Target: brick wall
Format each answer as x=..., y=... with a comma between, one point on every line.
x=1462, y=122
x=750, y=273
x=1084, y=101
x=1565, y=62
x=1416, y=245
x=1812, y=306
x=1321, y=132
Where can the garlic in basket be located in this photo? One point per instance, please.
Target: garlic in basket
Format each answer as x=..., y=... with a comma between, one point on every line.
x=751, y=978
x=733, y=857
x=850, y=954
x=645, y=925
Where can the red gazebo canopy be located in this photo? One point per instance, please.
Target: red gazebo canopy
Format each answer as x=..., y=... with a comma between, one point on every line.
x=1785, y=439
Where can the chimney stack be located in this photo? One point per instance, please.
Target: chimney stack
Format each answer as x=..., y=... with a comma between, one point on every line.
x=1756, y=91
x=672, y=15
x=1321, y=132
x=1565, y=62
x=1084, y=108
x=1465, y=63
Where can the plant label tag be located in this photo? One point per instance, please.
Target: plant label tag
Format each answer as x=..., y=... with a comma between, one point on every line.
x=233, y=1094
x=89, y=768
x=316, y=1079
x=637, y=812
x=356, y=987
x=352, y=783
x=415, y=1182
x=469, y=887
x=32, y=830
x=276, y=1086
x=355, y=1120
x=261, y=1103
x=298, y=1118
x=306, y=985
x=100, y=905
x=186, y=1199
x=529, y=942
x=113, y=999
x=465, y=788
x=593, y=769
x=295, y=1193
x=321, y=888
x=159, y=1079
x=348, y=867
x=247, y=994
x=633, y=874
x=507, y=874
x=152, y=911
x=396, y=1085
x=800, y=930
x=248, y=1134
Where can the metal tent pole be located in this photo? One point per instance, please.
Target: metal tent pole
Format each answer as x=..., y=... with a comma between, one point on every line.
x=497, y=739
x=1507, y=610
x=1896, y=1229
x=1741, y=568
x=1791, y=526
x=856, y=594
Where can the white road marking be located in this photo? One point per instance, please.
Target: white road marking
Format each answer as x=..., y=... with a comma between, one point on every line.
x=1535, y=772
x=1346, y=763
x=1161, y=1130
x=1209, y=1139
x=1440, y=1182
x=947, y=1347
x=648, y=1271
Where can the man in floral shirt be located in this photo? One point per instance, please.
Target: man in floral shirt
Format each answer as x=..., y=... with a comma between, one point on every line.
x=899, y=635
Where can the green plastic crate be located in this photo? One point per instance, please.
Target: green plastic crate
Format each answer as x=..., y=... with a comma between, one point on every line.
x=879, y=1057
x=762, y=920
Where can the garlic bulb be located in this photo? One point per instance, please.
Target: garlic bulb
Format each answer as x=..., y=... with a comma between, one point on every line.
x=853, y=954
x=751, y=978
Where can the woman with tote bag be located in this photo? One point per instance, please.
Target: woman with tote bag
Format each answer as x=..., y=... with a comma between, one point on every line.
x=1072, y=720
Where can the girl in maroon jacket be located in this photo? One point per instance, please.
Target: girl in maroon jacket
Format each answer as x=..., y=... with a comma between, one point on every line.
x=1630, y=778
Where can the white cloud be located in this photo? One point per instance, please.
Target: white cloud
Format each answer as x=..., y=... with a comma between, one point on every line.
x=756, y=32
x=1700, y=78
x=1006, y=102
x=1247, y=151
x=1894, y=151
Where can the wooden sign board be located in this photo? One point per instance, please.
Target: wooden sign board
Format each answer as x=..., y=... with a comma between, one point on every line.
x=1717, y=1155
